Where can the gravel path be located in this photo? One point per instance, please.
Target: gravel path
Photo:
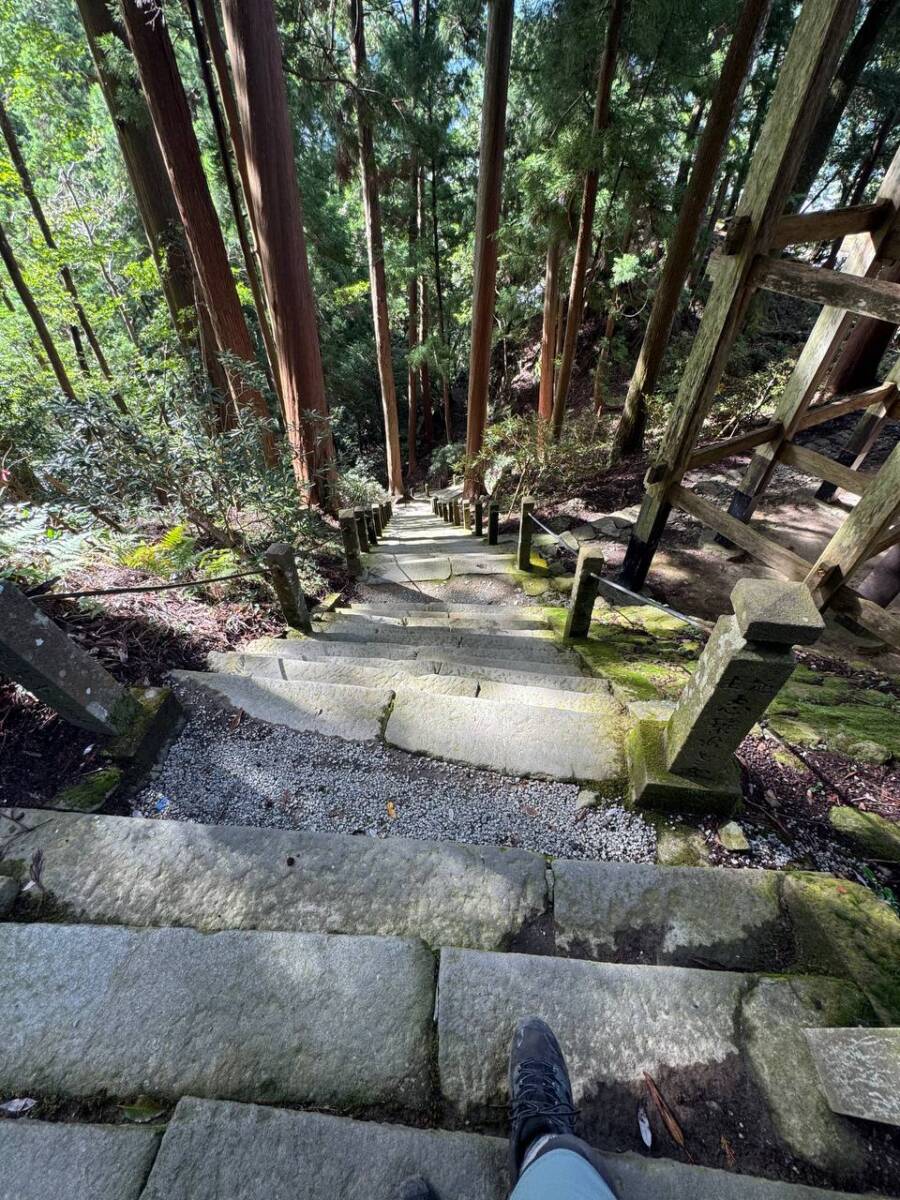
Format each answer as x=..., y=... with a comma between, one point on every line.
x=220, y=771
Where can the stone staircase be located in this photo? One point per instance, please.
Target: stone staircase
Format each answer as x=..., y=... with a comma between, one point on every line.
x=232, y=976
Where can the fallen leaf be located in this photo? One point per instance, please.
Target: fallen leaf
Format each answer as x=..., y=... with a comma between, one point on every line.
x=529, y=810
x=644, y=1125
x=144, y=1109
x=18, y=1107
x=235, y=720
x=730, y=1158
x=581, y=815
x=391, y=810
x=667, y=1115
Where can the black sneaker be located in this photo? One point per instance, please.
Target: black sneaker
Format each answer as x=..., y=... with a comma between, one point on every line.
x=415, y=1188
x=540, y=1094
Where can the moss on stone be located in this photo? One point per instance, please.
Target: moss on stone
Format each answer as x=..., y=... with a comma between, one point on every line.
x=678, y=843
x=876, y=836
x=842, y=928
x=90, y=793
x=821, y=709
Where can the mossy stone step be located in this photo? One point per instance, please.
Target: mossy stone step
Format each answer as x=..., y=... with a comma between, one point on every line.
x=224, y=1151
x=292, y=1017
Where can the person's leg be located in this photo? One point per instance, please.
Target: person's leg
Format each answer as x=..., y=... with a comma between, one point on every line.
x=547, y=1160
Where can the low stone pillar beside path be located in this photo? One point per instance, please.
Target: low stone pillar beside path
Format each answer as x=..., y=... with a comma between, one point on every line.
x=362, y=529
x=584, y=590
x=350, y=538
x=523, y=549
x=687, y=763
x=493, y=523
x=478, y=517
x=282, y=564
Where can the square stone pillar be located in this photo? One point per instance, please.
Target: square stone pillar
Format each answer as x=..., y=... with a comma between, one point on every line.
x=688, y=763
x=371, y=527
x=37, y=654
x=350, y=538
x=478, y=513
x=282, y=564
x=467, y=515
x=362, y=529
x=375, y=510
x=523, y=550
x=456, y=507
x=493, y=523
x=584, y=590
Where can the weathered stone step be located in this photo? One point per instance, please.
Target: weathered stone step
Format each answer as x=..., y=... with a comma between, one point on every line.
x=495, y=611
x=215, y=1150
x=335, y=709
x=728, y=1048
x=131, y=871
x=549, y=696
x=535, y=644
x=364, y=672
x=499, y=656
x=40, y=1160
x=342, y=669
x=487, y=621
x=511, y=738
x=291, y=1017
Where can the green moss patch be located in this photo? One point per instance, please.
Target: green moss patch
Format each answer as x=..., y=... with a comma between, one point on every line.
x=829, y=710
x=875, y=836
x=90, y=793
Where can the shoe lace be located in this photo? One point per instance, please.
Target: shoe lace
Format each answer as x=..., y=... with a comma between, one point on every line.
x=538, y=1093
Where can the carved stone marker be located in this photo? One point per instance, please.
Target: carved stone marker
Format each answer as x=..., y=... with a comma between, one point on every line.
x=688, y=763
x=347, y=521
x=584, y=590
x=37, y=654
x=283, y=570
x=523, y=551
x=362, y=529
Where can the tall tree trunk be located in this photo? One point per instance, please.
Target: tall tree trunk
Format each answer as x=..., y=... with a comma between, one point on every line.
x=205, y=37
x=629, y=436
x=255, y=50
x=37, y=319
x=146, y=171
x=424, y=321
x=412, y=296
x=857, y=54
x=368, y=170
x=149, y=40
x=18, y=161
x=548, y=327
x=446, y=400
x=586, y=220
x=222, y=414
x=487, y=223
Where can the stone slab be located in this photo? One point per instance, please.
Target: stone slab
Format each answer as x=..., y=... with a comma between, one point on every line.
x=9, y=890
x=42, y=1160
x=310, y=649
x=131, y=871
x=875, y=835
x=525, y=643
x=599, y=701
x=295, y=1018
x=335, y=709
x=369, y=673
x=639, y=912
x=549, y=676
x=775, y=610
x=510, y=738
x=480, y=564
x=216, y=1150
x=407, y=570
x=715, y=1036
x=859, y=1070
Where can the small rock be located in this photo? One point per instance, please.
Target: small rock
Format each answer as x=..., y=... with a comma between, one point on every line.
x=872, y=753
x=588, y=799
x=876, y=836
x=583, y=533
x=733, y=837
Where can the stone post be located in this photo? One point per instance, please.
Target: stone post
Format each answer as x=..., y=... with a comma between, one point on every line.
x=347, y=521
x=37, y=654
x=371, y=528
x=478, y=512
x=523, y=552
x=282, y=565
x=362, y=529
x=457, y=512
x=493, y=523
x=434, y=505
x=688, y=763
x=467, y=515
x=375, y=510
x=584, y=590
x=390, y=510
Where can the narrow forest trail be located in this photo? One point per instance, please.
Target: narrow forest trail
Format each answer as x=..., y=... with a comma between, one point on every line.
x=226, y=977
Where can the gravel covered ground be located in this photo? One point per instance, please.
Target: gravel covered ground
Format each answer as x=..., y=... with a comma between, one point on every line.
x=231, y=771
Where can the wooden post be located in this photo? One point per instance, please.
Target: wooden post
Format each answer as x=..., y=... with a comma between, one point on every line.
x=584, y=591
x=347, y=521
x=37, y=654
x=362, y=529
x=478, y=512
x=282, y=564
x=523, y=552
x=493, y=523
x=808, y=67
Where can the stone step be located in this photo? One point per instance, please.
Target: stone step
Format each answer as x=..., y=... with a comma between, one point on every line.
x=473, y=623
x=42, y=1160
x=537, y=644
x=294, y=1018
x=496, y=611
x=464, y=680
x=215, y=1150
x=131, y=871
x=335, y=709
x=550, y=697
x=729, y=1049
x=510, y=738
x=308, y=649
